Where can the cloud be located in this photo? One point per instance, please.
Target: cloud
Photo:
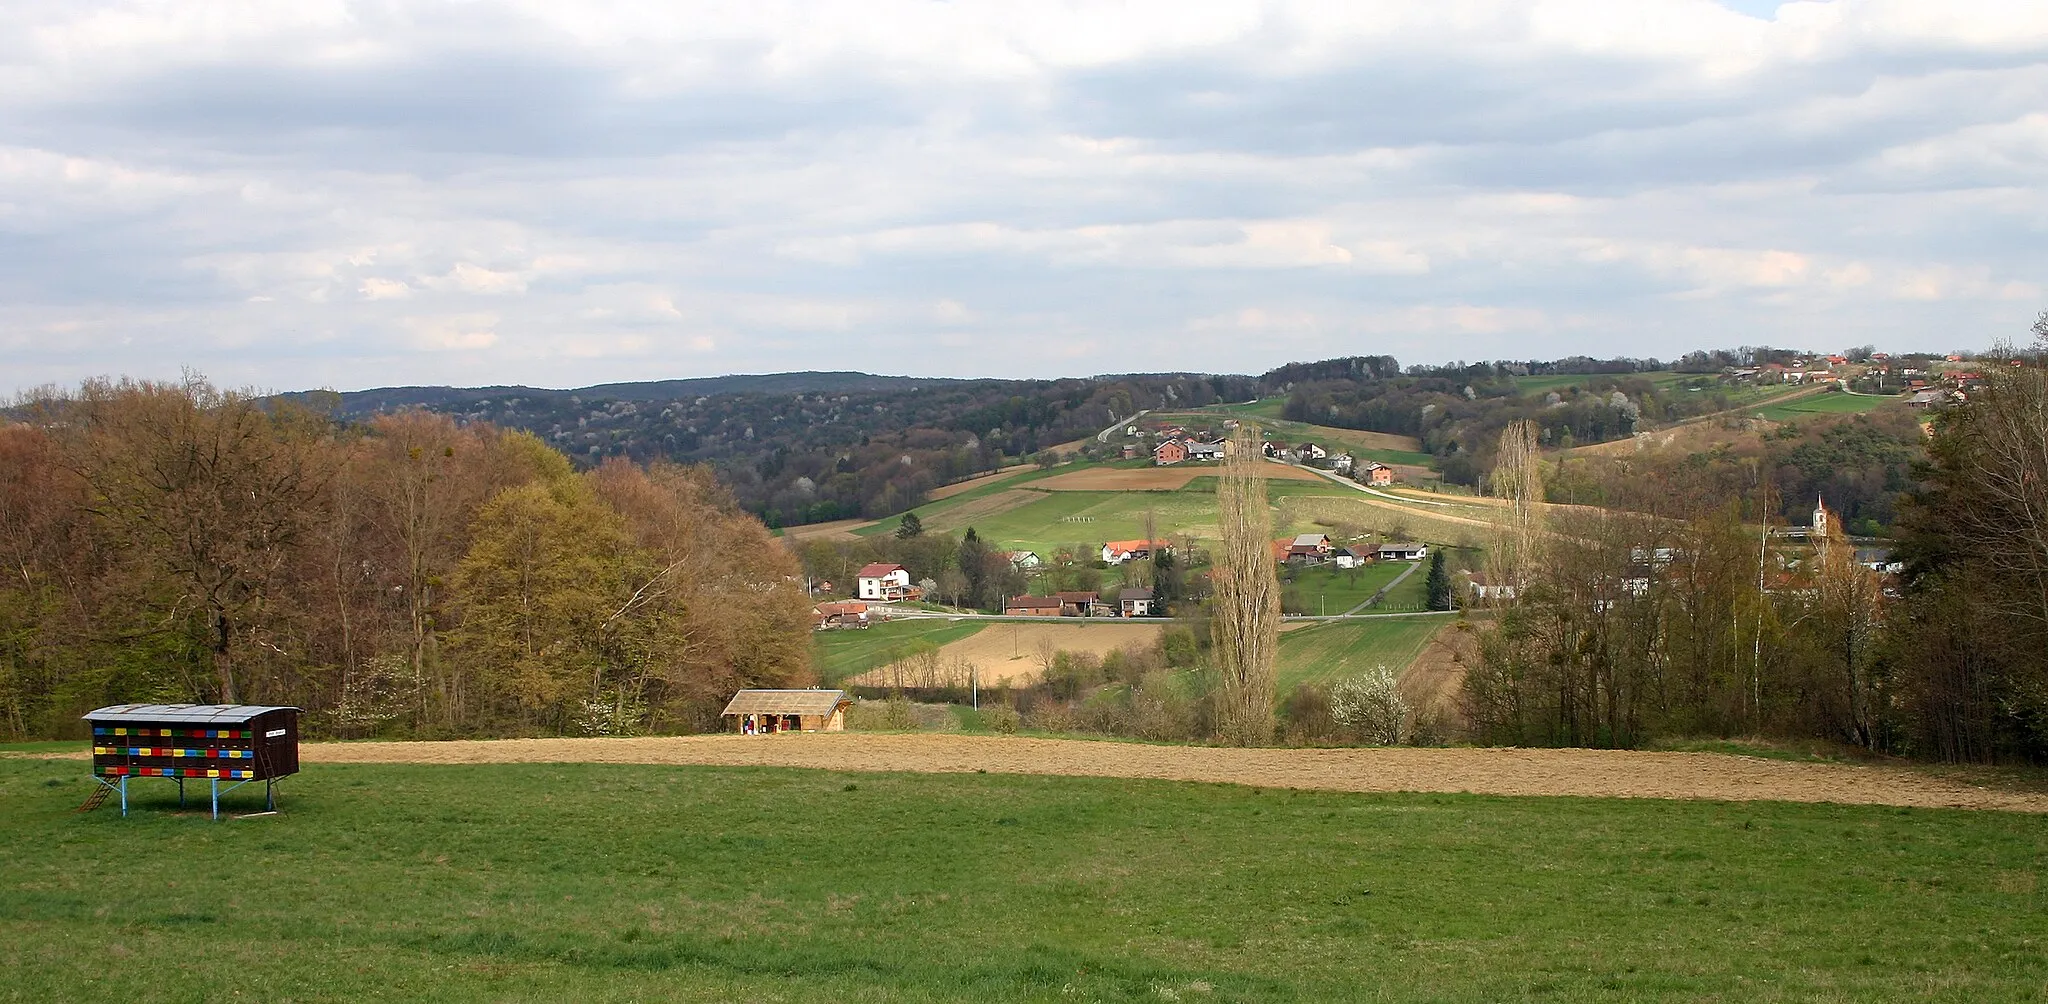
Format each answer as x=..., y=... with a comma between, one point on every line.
x=300, y=194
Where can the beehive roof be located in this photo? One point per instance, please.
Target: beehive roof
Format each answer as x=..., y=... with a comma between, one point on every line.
x=785, y=702
x=200, y=714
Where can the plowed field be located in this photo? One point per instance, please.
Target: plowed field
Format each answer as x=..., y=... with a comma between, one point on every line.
x=1607, y=773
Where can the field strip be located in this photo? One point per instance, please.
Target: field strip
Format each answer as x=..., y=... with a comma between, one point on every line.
x=1597, y=773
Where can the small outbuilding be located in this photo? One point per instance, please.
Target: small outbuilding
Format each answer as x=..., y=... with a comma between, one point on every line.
x=759, y=712
x=236, y=743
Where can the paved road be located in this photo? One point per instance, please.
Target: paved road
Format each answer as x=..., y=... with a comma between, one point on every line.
x=891, y=613
x=1369, y=490
x=1103, y=436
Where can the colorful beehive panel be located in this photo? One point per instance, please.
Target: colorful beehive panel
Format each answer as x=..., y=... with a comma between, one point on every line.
x=228, y=742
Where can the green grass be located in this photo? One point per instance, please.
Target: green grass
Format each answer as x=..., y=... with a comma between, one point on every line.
x=1338, y=590
x=1087, y=519
x=853, y=651
x=622, y=883
x=930, y=509
x=1334, y=650
x=1835, y=403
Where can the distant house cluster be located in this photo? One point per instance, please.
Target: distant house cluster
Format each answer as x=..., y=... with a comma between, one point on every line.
x=1132, y=601
x=1117, y=552
x=1181, y=448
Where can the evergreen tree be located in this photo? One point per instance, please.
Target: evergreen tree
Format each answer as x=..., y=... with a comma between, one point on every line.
x=1439, y=583
x=910, y=527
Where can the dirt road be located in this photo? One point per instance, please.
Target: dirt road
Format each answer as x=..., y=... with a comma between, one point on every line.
x=1484, y=771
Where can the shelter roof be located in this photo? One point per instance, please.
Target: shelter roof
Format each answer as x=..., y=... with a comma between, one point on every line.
x=198, y=714
x=785, y=702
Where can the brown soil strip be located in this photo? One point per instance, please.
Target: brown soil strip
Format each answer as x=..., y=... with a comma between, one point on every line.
x=948, y=491
x=1599, y=773
x=838, y=529
x=1011, y=652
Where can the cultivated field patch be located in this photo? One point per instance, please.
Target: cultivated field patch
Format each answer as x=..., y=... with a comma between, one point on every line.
x=1014, y=652
x=1603, y=773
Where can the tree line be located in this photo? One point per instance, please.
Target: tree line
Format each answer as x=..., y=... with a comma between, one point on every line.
x=1683, y=618
x=405, y=575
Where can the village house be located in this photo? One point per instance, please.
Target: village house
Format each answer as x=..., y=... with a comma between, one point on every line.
x=1116, y=552
x=884, y=583
x=760, y=712
x=1484, y=588
x=840, y=614
x=1403, y=552
x=1205, y=451
x=1377, y=473
x=1025, y=561
x=1342, y=463
x=1136, y=601
x=1344, y=557
x=1310, y=451
x=1032, y=606
x=1309, y=548
x=1170, y=452
x=1081, y=604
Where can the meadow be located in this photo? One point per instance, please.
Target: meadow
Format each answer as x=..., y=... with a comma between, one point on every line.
x=853, y=651
x=1335, y=650
x=621, y=883
x=1824, y=404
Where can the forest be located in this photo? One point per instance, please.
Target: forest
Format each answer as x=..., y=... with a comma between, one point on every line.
x=406, y=575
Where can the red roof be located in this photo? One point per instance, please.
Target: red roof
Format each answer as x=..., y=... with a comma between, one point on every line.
x=877, y=570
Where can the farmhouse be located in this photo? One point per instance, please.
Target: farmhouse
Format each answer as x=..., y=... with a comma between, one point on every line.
x=759, y=712
x=1342, y=463
x=1309, y=548
x=1116, y=552
x=1484, y=588
x=1172, y=451
x=1310, y=451
x=1032, y=606
x=1081, y=604
x=1377, y=473
x=1403, y=552
x=1206, y=451
x=1136, y=601
x=884, y=583
x=1344, y=557
x=1025, y=561
x=841, y=614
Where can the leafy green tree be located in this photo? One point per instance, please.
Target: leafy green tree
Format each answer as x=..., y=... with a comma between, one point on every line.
x=910, y=527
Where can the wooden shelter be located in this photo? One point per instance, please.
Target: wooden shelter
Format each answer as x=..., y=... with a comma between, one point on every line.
x=758, y=712
x=237, y=743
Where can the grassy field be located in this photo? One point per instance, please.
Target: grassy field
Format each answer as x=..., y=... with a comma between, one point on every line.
x=844, y=653
x=1333, y=650
x=1824, y=404
x=1331, y=590
x=623, y=883
x=1081, y=518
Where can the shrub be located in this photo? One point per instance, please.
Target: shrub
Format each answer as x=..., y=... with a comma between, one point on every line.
x=892, y=715
x=1371, y=706
x=1001, y=718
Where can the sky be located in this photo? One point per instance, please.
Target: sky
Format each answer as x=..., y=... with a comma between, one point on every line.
x=350, y=195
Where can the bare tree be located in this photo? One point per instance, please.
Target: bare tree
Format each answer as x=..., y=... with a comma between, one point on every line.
x=1518, y=478
x=1247, y=618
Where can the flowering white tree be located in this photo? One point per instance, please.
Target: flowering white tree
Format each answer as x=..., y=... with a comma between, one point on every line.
x=1372, y=706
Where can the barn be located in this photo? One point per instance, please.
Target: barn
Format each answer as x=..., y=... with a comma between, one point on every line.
x=759, y=712
x=236, y=743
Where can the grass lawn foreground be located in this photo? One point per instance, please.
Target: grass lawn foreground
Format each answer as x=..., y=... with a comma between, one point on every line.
x=616, y=882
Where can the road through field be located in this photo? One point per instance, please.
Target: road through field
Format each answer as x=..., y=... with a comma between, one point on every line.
x=1606, y=773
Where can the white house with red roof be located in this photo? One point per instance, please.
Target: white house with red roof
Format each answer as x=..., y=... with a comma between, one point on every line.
x=886, y=582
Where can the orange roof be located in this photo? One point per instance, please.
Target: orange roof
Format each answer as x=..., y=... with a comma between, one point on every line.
x=1137, y=545
x=877, y=570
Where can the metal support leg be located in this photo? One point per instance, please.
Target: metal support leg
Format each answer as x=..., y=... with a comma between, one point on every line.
x=216, y=797
x=269, y=795
x=124, y=796
x=181, y=791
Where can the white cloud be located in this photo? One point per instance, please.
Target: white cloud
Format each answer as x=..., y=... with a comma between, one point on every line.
x=513, y=191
